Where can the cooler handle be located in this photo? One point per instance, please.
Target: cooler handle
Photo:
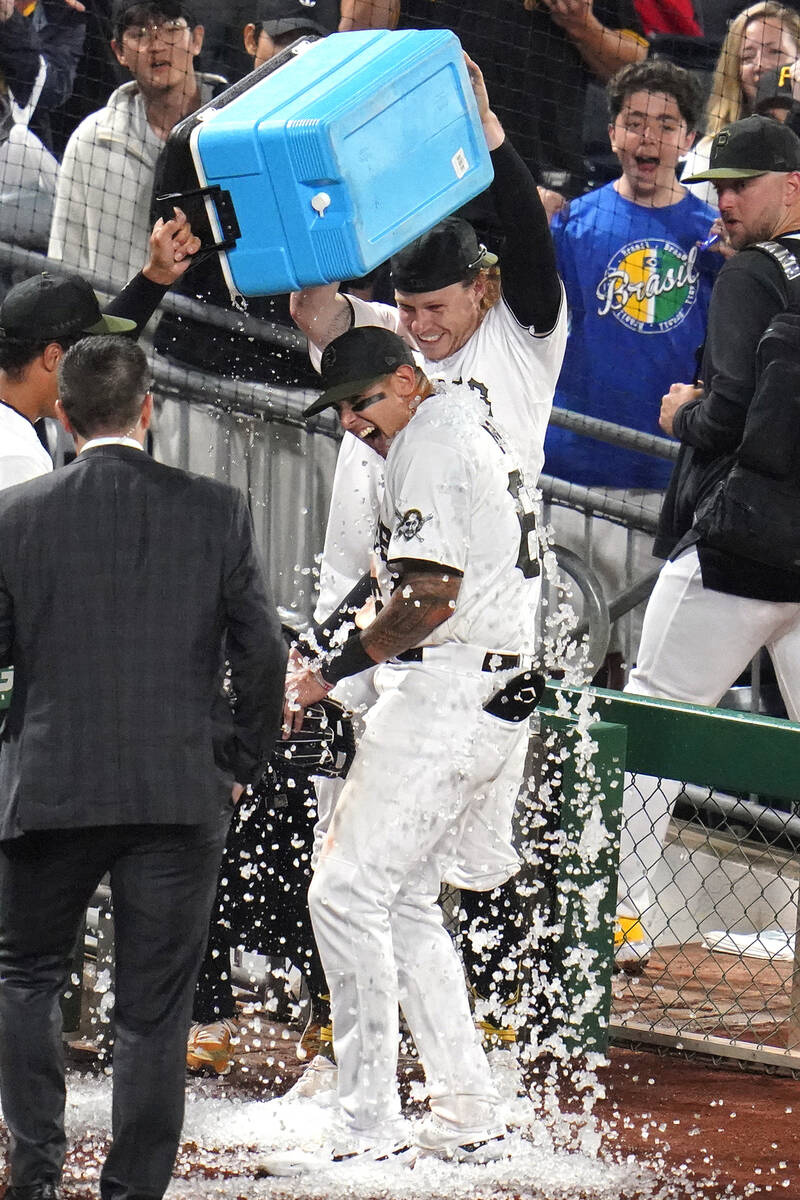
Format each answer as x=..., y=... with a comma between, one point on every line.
x=223, y=208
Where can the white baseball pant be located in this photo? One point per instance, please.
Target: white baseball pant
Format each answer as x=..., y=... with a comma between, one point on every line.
x=429, y=753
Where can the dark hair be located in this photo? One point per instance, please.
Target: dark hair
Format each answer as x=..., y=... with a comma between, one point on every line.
x=657, y=75
x=170, y=10
x=16, y=354
x=102, y=382
x=279, y=40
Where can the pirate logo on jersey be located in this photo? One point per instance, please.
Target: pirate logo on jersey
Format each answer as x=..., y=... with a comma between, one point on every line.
x=410, y=524
x=649, y=286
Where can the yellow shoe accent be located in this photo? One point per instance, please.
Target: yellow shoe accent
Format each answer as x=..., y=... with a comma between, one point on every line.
x=628, y=930
x=632, y=946
x=495, y=1035
x=315, y=1040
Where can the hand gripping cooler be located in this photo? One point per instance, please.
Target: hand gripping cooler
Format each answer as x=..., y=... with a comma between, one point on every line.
x=331, y=157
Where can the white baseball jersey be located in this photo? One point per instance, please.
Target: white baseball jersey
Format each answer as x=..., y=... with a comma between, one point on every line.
x=22, y=455
x=454, y=495
x=507, y=364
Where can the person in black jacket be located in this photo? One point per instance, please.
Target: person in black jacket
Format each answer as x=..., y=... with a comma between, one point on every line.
x=125, y=585
x=711, y=610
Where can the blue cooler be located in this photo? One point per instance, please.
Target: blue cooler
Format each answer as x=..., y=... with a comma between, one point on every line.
x=325, y=166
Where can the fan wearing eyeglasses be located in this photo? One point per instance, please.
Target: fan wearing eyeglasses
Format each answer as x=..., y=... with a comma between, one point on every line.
x=101, y=219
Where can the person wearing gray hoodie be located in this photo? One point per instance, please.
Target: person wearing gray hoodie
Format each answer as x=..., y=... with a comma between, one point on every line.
x=101, y=219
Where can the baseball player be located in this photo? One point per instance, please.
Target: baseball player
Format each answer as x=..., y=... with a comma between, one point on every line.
x=455, y=573
x=712, y=610
x=510, y=352
x=512, y=349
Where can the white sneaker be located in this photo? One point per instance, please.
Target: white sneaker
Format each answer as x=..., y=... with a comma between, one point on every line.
x=462, y=1145
x=318, y=1082
x=393, y=1142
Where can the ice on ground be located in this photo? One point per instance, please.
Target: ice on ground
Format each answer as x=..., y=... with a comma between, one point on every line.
x=230, y=1139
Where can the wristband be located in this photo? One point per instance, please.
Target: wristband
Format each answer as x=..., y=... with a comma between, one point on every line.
x=316, y=670
x=351, y=659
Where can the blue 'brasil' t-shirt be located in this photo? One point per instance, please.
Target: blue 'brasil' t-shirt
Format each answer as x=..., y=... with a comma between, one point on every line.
x=638, y=293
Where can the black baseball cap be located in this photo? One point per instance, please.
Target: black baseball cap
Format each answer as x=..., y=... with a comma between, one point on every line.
x=277, y=17
x=48, y=307
x=753, y=146
x=445, y=254
x=356, y=359
x=137, y=12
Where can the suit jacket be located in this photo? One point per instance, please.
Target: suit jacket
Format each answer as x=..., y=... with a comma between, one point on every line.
x=124, y=586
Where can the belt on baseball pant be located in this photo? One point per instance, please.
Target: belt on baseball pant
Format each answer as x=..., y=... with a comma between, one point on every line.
x=471, y=656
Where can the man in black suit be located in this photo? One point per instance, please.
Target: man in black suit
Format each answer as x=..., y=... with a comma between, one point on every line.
x=124, y=586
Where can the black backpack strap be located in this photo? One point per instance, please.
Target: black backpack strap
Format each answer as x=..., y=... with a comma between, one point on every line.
x=781, y=254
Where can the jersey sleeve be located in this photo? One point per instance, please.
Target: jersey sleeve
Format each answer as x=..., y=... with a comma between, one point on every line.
x=352, y=517
x=428, y=504
x=19, y=468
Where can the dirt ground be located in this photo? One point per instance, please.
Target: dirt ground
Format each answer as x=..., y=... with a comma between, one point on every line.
x=701, y=1131
x=736, y=1127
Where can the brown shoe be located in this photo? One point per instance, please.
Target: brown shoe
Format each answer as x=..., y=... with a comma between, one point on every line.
x=209, y=1046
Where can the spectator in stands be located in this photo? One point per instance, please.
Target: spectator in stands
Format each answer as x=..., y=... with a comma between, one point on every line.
x=278, y=23
x=762, y=37
x=638, y=291
x=40, y=45
x=224, y=23
x=97, y=76
x=538, y=60
x=102, y=211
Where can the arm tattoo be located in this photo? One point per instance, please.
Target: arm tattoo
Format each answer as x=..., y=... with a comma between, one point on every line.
x=421, y=601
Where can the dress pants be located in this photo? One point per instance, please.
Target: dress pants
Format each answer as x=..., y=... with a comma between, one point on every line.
x=695, y=644
x=428, y=758
x=163, y=879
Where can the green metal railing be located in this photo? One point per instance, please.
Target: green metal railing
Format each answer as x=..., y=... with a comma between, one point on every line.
x=740, y=753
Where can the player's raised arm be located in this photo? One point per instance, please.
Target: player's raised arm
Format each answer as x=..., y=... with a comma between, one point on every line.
x=531, y=286
x=322, y=313
x=368, y=14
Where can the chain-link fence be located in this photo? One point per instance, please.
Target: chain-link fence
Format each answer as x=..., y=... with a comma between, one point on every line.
x=707, y=900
